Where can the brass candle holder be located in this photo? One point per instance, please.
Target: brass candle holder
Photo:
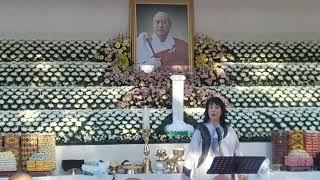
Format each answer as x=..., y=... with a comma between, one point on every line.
x=113, y=167
x=173, y=163
x=146, y=166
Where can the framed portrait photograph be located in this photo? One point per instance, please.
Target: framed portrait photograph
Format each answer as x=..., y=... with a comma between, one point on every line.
x=162, y=34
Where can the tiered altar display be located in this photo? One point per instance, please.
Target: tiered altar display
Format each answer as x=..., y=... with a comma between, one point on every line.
x=86, y=93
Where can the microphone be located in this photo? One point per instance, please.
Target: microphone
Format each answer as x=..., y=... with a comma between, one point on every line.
x=219, y=134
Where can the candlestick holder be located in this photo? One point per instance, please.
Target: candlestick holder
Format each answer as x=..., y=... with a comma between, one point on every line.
x=146, y=151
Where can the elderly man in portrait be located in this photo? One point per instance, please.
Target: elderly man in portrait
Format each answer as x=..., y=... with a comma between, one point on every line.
x=162, y=48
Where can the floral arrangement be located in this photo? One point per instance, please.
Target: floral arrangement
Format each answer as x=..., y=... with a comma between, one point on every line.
x=91, y=79
x=273, y=51
x=147, y=97
x=154, y=89
x=51, y=73
x=273, y=74
x=33, y=98
x=208, y=52
x=84, y=126
x=270, y=96
x=124, y=125
x=116, y=51
x=206, y=49
x=196, y=97
x=201, y=77
x=39, y=50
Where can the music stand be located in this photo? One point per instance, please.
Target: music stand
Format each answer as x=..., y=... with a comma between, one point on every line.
x=236, y=165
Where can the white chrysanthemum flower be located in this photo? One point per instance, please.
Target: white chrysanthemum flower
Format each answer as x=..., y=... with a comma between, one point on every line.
x=70, y=134
x=312, y=128
x=57, y=128
x=49, y=129
x=66, y=129
x=53, y=124
x=74, y=128
x=137, y=126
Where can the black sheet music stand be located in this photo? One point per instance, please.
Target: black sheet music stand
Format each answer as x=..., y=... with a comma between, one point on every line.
x=236, y=165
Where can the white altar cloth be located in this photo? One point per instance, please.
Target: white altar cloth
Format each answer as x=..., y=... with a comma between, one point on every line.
x=277, y=175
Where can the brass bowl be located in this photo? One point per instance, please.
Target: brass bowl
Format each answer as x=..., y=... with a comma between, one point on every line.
x=178, y=152
x=161, y=153
x=132, y=169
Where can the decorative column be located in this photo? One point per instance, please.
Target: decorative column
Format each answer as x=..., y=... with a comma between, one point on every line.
x=146, y=134
x=177, y=106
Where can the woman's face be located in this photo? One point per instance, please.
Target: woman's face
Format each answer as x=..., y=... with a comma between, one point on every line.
x=214, y=112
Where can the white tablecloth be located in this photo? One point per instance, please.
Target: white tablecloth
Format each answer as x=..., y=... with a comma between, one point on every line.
x=282, y=175
x=118, y=177
x=310, y=175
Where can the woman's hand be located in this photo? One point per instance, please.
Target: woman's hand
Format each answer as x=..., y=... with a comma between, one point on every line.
x=222, y=177
x=242, y=177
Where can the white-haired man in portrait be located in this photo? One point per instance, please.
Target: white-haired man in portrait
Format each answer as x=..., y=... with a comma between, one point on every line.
x=161, y=48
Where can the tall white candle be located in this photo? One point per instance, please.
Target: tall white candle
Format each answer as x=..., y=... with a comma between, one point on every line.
x=146, y=118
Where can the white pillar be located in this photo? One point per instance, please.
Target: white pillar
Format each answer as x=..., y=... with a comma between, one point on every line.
x=177, y=105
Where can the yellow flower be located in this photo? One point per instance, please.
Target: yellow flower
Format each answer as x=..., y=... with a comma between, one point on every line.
x=213, y=50
x=117, y=45
x=223, y=59
x=201, y=60
x=126, y=44
x=123, y=60
x=230, y=57
x=98, y=56
x=215, y=67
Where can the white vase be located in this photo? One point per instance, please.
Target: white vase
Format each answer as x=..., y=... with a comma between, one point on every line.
x=147, y=68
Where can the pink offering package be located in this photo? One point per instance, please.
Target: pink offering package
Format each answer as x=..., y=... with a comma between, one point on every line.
x=298, y=161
